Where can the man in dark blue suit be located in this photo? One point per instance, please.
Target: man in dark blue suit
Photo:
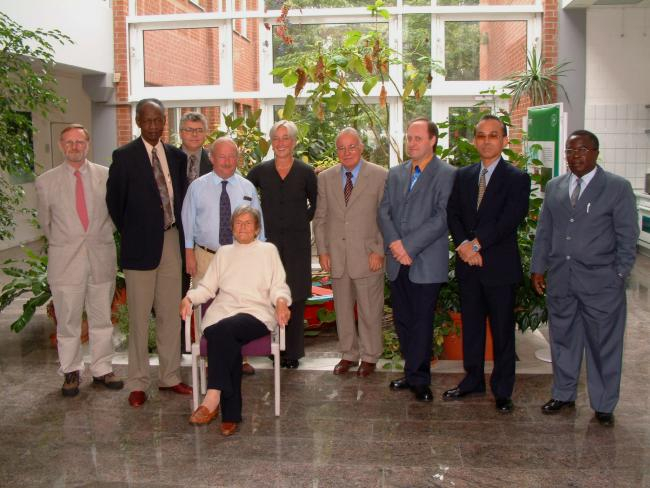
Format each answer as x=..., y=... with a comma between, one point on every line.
x=489, y=201
x=144, y=194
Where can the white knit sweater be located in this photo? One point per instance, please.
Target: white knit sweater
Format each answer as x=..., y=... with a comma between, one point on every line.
x=249, y=278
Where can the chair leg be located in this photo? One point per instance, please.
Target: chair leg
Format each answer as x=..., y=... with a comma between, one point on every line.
x=276, y=377
x=195, y=380
x=204, y=380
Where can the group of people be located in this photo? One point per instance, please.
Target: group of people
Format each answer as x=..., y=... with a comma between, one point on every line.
x=191, y=226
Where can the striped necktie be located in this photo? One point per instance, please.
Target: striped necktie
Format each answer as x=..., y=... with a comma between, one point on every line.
x=481, y=187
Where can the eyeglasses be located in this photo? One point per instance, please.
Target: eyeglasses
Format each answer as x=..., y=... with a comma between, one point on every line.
x=350, y=148
x=197, y=131
x=581, y=151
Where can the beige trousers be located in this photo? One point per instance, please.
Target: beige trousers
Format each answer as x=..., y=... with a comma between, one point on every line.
x=203, y=260
x=69, y=304
x=160, y=289
x=363, y=340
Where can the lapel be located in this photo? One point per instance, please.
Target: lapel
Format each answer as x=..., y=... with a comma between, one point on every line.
x=362, y=182
x=473, y=174
x=337, y=189
x=563, y=189
x=593, y=190
x=428, y=174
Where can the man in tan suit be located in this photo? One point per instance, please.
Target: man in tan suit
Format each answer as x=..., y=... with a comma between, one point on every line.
x=81, y=258
x=351, y=249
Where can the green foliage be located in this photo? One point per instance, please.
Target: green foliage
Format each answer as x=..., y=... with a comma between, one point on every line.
x=26, y=85
x=333, y=66
x=538, y=81
x=250, y=140
x=28, y=276
x=121, y=319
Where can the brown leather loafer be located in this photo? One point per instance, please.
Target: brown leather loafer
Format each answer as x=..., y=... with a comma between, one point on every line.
x=247, y=369
x=109, y=380
x=344, y=366
x=202, y=415
x=181, y=389
x=366, y=369
x=137, y=398
x=228, y=428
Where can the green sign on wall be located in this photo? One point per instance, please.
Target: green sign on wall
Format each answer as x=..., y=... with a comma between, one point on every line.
x=545, y=130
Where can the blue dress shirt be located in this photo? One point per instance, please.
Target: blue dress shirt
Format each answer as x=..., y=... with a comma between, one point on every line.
x=355, y=174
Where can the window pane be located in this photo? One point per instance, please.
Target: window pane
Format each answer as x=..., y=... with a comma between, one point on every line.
x=489, y=50
x=307, y=36
x=316, y=141
x=277, y=4
x=416, y=41
x=171, y=132
x=461, y=123
x=148, y=7
x=181, y=57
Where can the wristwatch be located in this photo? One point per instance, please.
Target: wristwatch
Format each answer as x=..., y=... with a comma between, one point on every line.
x=476, y=247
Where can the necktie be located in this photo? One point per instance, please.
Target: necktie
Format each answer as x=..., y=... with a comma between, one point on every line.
x=481, y=187
x=225, y=231
x=192, y=169
x=80, y=198
x=576, y=192
x=347, y=191
x=414, y=177
x=168, y=213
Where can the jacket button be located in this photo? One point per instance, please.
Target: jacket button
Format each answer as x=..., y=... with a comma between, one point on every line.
x=568, y=257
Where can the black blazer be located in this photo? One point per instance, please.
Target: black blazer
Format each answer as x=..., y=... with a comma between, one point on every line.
x=205, y=165
x=134, y=203
x=494, y=224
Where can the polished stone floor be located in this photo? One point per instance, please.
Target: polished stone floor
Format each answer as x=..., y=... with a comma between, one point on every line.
x=333, y=431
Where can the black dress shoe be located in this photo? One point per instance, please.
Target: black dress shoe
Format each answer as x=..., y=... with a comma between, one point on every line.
x=399, y=384
x=290, y=363
x=457, y=394
x=422, y=393
x=505, y=405
x=554, y=406
x=605, y=418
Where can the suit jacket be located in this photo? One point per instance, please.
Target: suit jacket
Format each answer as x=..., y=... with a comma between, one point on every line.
x=494, y=224
x=419, y=218
x=134, y=202
x=72, y=252
x=591, y=246
x=205, y=165
x=350, y=233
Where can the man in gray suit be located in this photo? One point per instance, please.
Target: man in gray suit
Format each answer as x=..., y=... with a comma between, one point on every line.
x=413, y=221
x=586, y=243
x=81, y=259
x=193, y=132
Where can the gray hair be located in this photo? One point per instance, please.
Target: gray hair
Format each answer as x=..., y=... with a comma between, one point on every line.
x=223, y=139
x=292, y=129
x=194, y=117
x=349, y=130
x=244, y=209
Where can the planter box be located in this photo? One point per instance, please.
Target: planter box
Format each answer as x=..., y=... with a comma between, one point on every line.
x=453, y=345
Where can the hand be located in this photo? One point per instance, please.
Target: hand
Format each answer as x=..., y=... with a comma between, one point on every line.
x=465, y=251
x=475, y=260
x=539, y=283
x=190, y=262
x=282, y=312
x=375, y=261
x=399, y=253
x=185, y=308
x=325, y=263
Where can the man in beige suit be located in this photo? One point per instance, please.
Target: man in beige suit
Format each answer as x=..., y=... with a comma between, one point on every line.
x=81, y=258
x=351, y=249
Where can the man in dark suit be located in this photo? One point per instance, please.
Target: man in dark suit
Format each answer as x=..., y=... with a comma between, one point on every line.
x=586, y=243
x=413, y=222
x=193, y=132
x=488, y=203
x=144, y=193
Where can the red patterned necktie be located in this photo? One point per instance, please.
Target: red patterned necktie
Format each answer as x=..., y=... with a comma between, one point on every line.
x=80, y=197
x=347, y=191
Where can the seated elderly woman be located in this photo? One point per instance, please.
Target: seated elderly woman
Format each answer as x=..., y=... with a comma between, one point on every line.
x=247, y=281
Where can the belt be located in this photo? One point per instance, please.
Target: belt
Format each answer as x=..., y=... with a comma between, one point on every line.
x=206, y=249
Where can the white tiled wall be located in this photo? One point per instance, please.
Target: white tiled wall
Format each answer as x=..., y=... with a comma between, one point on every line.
x=618, y=88
x=624, y=145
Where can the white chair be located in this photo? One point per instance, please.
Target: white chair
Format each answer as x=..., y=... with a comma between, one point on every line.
x=270, y=344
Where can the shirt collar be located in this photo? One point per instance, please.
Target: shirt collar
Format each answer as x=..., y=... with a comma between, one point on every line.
x=585, y=178
x=149, y=147
x=490, y=169
x=355, y=170
x=82, y=169
x=219, y=179
x=189, y=153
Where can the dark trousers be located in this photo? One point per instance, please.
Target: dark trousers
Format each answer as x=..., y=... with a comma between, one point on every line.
x=295, y=332
x=414, y=306
x=225, y=339
x=185, y=286
x=478, y=302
